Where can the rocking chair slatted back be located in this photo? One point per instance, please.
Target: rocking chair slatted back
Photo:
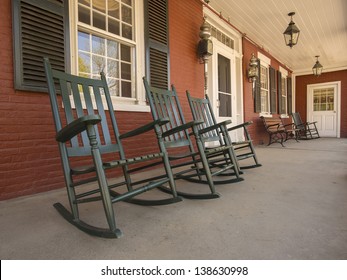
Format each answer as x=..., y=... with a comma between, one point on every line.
x=82, y=96
x=166, y=105
x=202, y=110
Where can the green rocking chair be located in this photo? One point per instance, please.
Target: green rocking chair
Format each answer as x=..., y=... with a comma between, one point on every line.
x=218, y=132
x=196, y=166
x=90, y=146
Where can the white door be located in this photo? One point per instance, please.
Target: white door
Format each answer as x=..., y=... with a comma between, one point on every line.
x=323, y=108
x=223, y=86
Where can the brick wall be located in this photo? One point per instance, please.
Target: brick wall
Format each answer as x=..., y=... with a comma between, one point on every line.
x=186, y=72
x=301, y=94
x=30, y=161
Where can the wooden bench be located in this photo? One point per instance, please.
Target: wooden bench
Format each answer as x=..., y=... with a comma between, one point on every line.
x=278, y=131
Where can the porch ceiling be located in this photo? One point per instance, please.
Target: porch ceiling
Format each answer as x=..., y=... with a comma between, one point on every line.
x=323, y=26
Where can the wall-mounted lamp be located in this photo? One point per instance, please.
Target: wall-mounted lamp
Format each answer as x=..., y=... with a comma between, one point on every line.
x=317, y=68
x=253, y=71
x=291, y=34
x=205, y=47
x=253, y=68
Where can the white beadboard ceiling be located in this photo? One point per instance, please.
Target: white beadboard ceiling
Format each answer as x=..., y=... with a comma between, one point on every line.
x=322, y=24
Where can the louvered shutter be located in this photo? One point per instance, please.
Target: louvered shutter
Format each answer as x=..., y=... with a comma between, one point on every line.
x=279, y=83
x=273, y=90
x=40, y=30
x=157, y=43
x=289, y=95
x=257, y=92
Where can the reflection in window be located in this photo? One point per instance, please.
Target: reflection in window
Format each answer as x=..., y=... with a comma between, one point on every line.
x=104, y=56
x=106, y=43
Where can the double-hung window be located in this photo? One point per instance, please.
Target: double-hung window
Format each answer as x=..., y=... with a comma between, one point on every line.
x=283, y=91
x=264, y=84
x=264, y=89
x=106, y=42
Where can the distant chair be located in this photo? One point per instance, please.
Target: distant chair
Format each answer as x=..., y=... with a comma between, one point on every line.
x=218, y=132
x=197, y=166
x=305, y=130
x=90, y=145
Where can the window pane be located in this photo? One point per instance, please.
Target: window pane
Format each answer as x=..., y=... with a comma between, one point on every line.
x=98, y=64
x=125, y=51
x=113, y=86
x=99, y=20
x=83, y=63
x=112, y=68
x=113, y=26
x=126, y=14
x=99, y=5
x=126, y=71
x=98, y=45
x=84, y=14
x=126, y=89
x=112, y=49
x=127, y=31
x=83, y=42
x=113, y=8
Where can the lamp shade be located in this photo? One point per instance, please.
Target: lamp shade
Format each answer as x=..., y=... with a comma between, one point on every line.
x=291, y=34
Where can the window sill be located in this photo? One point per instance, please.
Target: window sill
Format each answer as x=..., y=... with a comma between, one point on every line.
x=119, y=104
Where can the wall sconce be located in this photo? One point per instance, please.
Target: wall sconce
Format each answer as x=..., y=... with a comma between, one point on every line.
x=253, y=71
x=253, y=68
x=317, y=68
x=205, y=47
x=291, y=34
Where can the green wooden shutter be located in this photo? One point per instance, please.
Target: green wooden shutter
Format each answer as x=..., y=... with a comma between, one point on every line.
x=279, y=82
x=289, y=95
x=40, y=29
x=273, y=90
x=257, y=92
x=157, y=43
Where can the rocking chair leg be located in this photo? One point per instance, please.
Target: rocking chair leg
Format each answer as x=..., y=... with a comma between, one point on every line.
x=205, y=164
x=105, y=194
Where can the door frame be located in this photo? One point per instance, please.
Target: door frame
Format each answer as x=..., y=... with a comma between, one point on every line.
x=236, y=83
x=309, y=107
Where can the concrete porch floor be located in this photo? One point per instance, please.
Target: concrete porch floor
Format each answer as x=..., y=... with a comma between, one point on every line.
x=293, y=207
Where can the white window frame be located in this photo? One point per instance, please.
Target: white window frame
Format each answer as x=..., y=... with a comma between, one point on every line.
x=284, y=76
x=138, y=103
x=265, y=62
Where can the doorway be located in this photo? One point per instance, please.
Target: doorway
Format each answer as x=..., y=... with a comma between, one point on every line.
x=224, y=86
x=323, y=107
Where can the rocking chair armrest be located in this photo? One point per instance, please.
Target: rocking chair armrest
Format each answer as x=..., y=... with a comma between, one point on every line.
x=215, y=126
x=76, y=127
x=144, y=128
x=181, y=128
x=240, y=125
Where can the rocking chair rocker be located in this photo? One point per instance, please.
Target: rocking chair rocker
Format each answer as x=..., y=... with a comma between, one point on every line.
x=88, y=137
